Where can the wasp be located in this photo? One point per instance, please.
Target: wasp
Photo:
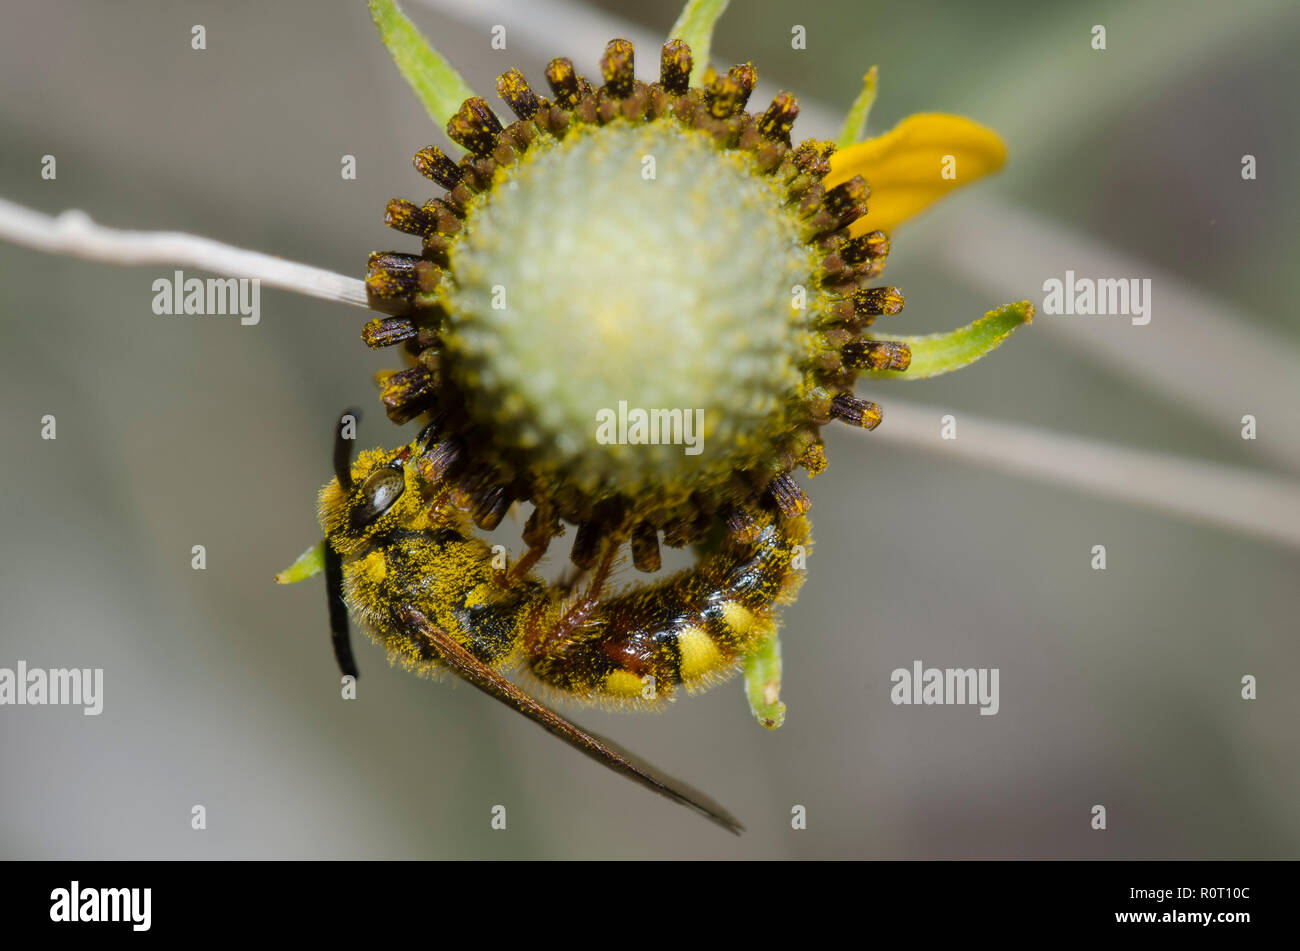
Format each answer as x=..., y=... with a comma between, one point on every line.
x=401, y=557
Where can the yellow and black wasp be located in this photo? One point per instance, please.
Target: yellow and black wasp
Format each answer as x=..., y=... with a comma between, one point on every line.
x=401, y=556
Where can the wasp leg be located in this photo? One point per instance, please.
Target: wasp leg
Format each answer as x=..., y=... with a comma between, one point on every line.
x=578, y=613
x=570, y=577
x=540, y=528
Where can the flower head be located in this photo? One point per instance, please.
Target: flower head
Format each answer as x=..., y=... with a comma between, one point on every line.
x=653, y=246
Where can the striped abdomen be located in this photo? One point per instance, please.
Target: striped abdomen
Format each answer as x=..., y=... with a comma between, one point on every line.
x=694, y=628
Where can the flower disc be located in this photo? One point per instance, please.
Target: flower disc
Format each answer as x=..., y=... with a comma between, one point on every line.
x=634, y=307
x=624, y=270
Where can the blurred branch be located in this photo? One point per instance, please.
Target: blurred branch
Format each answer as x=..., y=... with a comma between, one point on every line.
x=1224, y=496
x=1152, y=48
x=1198, y=353
x=75, y=234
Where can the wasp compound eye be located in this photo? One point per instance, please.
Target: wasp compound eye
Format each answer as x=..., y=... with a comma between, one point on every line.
x=380, y=490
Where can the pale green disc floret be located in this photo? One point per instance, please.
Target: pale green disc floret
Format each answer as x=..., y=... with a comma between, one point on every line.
x=636, y=264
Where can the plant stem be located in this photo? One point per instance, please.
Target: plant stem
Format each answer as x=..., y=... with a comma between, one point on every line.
x=75, y=234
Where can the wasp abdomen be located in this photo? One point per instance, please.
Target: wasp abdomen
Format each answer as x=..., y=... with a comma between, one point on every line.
x=692, y=629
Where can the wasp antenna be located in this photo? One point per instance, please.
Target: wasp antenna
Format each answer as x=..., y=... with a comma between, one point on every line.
x=343, y=440
x=340, y=635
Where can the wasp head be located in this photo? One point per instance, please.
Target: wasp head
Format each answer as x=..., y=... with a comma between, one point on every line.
x=369, y=498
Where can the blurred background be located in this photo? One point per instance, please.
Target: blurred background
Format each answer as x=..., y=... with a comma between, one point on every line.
x=1118, y=687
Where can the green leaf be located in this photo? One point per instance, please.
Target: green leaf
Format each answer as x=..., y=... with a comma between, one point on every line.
x=695, y=26
x=855, y=123
x=309, y=563
x=936, y=354
x=763, y=683
x=434, y=80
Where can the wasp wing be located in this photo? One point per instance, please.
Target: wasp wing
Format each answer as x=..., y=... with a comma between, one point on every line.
x=603, y=751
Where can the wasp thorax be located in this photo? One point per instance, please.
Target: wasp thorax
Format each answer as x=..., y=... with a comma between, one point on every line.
x=630, y=274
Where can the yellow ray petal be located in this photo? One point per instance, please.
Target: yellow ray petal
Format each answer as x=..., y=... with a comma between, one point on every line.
x=919, y=161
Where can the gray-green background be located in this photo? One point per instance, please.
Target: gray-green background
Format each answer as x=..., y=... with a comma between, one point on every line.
x=1118, y=687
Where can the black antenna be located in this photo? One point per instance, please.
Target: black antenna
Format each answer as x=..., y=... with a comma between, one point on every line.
x=340, y=635
x=339, y=630
x=343, y=449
